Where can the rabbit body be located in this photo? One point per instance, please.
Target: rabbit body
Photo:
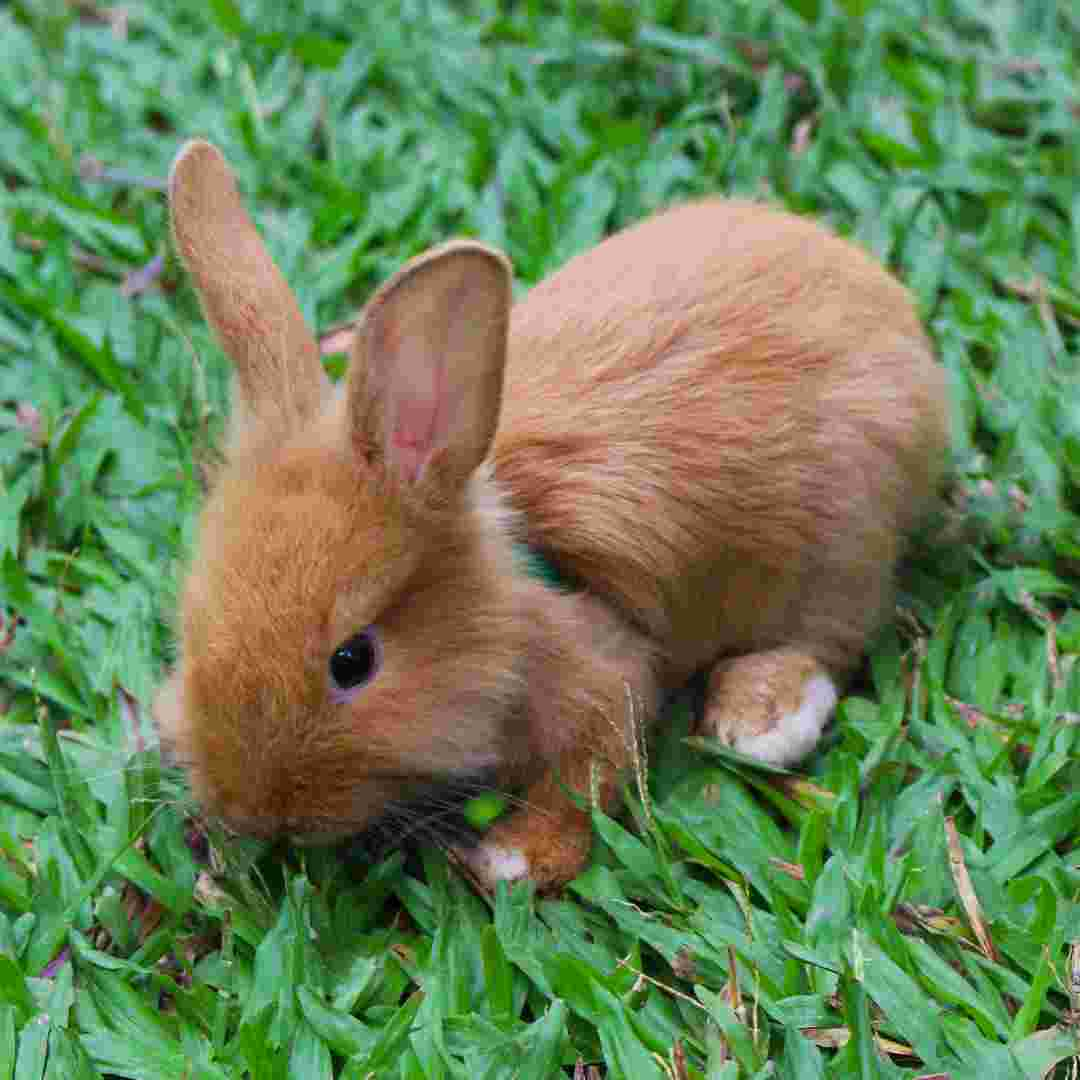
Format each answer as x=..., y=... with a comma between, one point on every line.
x=719, y=423
x=722, y=420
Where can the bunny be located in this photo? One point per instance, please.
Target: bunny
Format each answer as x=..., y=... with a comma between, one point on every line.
x=717, y=424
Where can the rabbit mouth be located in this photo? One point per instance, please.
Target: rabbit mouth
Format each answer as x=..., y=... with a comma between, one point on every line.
x=433, y=813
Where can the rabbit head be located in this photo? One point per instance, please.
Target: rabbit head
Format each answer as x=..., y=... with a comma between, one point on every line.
x=350, y=630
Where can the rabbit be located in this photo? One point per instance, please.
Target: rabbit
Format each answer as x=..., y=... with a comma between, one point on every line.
x=717, y=424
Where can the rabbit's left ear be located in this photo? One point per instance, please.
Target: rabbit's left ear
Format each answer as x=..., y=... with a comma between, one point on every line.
x=279, y=376
x=425, y=379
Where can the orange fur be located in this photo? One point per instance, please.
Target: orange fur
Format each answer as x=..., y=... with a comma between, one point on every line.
x=720, y=421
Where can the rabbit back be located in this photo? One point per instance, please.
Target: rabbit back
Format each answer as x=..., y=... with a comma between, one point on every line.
x=722, y=420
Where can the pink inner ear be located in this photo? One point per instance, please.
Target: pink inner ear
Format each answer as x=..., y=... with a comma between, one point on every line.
x=413, y=440
x=419, y=408
x=431, y=364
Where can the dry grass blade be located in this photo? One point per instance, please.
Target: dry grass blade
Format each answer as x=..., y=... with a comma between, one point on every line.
x=966, y=891
x=94, y=171
x=661, y=986
x=919, y=918
x=793, y=870
x=678, y=1061
x=86, y=260
x=145, y=277
x=835, y=1038
x=805, y=792
x=734, y=994
x=972, y=716
x=1045, y=619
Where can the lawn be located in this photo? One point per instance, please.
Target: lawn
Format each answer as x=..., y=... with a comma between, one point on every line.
x=908, y=905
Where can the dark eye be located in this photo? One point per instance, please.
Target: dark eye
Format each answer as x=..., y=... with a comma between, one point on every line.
x=354, y=663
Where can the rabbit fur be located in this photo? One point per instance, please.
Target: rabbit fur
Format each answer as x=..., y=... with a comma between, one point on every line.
x=718, y=423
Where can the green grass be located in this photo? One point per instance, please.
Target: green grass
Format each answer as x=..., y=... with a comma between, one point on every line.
x=942, y=134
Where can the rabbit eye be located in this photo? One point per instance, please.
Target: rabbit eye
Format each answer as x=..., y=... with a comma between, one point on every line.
x=354, y=663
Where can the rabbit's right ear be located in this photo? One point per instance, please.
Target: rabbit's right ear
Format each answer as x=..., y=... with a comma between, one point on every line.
x=425, y=379
x=280, y=380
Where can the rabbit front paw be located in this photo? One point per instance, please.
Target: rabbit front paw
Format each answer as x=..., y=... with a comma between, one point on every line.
x=529, y=844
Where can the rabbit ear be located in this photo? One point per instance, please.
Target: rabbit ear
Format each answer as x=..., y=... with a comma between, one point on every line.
x=425, y=381
x=278, y=373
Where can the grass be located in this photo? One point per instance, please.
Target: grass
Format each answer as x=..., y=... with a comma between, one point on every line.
x=908, y=907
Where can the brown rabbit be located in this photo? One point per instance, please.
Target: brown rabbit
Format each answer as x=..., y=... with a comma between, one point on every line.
x=718, y=422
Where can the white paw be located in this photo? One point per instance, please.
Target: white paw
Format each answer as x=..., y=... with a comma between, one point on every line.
x=797, y=733
x=491, y=863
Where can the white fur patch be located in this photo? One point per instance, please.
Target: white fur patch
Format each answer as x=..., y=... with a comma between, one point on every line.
x=491, y=863
x=490, y=502
x=798, y=732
